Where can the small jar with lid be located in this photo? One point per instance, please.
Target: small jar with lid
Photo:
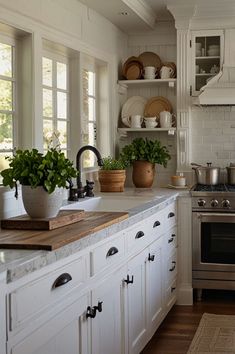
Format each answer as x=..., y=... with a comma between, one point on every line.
x=178, y=180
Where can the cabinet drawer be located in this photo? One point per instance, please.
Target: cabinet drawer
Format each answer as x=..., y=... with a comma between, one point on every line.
x=139, y=236
x=170, y=214
x=171, y=270
x=107, y=254
x=170, y=240
x=30, y=300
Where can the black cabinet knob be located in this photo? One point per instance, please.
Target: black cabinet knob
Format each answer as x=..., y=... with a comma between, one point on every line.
x=151, y=257
x=99, y=306
x=139, y=234
x=173, y=266
x=171, y=215
x=129, y=280
x=62, y=280
x=112, y=251
x=157, y=223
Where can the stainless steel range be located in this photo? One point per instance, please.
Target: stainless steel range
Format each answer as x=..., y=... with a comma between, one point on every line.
x=213, y=215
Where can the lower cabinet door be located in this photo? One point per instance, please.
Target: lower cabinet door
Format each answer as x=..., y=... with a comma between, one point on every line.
x=155, y=286
x=106, y=327
x=136, y=303
x=66, y=333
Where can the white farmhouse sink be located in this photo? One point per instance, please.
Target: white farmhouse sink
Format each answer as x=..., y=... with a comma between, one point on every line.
x=109, y=203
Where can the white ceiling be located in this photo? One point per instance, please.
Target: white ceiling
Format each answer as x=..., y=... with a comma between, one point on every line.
x=142, y=14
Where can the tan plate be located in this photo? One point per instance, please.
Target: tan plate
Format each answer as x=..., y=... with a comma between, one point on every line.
x=172, y=65
x=133, y=71
x=150, y=59
x=130, y=61
x=155, y=105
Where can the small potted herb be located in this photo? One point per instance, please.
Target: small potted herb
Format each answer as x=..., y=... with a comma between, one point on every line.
x=143, y=154
x=42, y=177
x=112, y=175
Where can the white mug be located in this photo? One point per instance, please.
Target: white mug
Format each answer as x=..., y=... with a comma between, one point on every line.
x=149, y=72
x=166, y=72
x=135, y=121
x=165, y=119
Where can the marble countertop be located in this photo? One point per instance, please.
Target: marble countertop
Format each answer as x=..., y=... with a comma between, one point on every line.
x=18, y=263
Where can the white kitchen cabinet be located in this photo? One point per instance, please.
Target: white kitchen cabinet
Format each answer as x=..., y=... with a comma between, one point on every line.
x=119, y=292
x=66, y=332
x=106, y=327
x=207, y=57
x=144, y=305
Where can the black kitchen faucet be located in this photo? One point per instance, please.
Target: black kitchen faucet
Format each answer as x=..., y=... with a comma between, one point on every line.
x=80, y=191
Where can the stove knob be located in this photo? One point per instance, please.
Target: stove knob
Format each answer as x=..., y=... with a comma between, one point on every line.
x=201, y=202
x=225, y=203
x=214, y=203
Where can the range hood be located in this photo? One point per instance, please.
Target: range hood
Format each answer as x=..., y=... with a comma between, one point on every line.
x=220, y=90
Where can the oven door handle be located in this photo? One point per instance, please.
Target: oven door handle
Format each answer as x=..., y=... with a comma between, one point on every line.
x=216, y=217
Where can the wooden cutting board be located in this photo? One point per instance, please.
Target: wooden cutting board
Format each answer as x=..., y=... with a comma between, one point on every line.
x=53, y=239
x=24, y=222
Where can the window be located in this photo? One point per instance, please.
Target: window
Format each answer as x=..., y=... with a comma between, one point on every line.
x=55, y=102
x=7, y=101
x=89, y=118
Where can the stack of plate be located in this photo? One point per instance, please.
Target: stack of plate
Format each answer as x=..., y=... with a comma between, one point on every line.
x=155, y=105
x=151, y=59
x=146, y=108
x=213, y=50
x=132, y=68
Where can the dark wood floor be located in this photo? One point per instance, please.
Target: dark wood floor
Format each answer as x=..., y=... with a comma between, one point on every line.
x=177, y=330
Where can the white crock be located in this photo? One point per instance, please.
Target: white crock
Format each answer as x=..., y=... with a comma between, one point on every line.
x=39, y=204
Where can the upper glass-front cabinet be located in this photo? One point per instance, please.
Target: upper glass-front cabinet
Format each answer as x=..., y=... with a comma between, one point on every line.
x=207, y=57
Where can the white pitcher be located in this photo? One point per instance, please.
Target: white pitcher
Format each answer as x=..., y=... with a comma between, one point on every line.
x=135, y=121
x=166, y=120
x=166, y=72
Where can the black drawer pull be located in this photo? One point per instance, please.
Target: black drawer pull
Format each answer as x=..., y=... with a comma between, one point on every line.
x=170, y=240
x=173, y=235
x=151, y=257
x=171, y=215
x=111, y=252
x=99, y=306
x=128, y=280
x=157, y=223
x=139, y=234
x=173, y=289
x=62, y=280
x=173, y=267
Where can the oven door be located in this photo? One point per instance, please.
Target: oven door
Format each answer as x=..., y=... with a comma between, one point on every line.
x=213, y=241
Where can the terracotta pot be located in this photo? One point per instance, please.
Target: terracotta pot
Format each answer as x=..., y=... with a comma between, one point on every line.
x=143, y=174
x=112, y=180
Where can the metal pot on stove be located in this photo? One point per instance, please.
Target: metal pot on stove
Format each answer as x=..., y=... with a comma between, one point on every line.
x=208, y=175
x=231, y=174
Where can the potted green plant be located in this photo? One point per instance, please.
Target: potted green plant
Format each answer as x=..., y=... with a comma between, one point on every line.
x=143, y=154
x=112, y=175
x=43, y=178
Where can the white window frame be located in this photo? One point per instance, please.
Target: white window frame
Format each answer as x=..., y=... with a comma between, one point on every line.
x=61, y=58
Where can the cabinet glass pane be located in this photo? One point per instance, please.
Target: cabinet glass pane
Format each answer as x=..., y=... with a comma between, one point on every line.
x=47, y=103
x=207, y=59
